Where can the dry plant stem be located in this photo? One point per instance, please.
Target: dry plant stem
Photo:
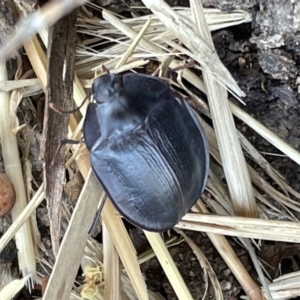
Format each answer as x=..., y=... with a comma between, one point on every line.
x=10, y=85
x=156, y=33
x=125, y=29
x=38, y=60
x=290, y=280
x=232, y=157
x=257, y=267
x=200, y=48
x=233, y=161
x=133, y=44
x=242, y=227
x=111, y=268
x=266, y=133
x=147, y=255
x=168, y=265
x=74, y=297
x=60, y=75
x=48, y=15
x=125, y=248
x=22, y=218
x=78, y=91
x=256, y=179
x=13, y=168
x=271, y=191
x=216, y=19
x=74, y=241
x=263, y=163
x=233, y=262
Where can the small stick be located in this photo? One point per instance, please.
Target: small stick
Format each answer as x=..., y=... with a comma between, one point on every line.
x=61, y=61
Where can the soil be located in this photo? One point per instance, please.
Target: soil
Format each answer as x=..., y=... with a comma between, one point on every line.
x=192, y=273
x=264, y=58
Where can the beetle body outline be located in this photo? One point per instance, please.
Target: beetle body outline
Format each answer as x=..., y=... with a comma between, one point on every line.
x=147, y=148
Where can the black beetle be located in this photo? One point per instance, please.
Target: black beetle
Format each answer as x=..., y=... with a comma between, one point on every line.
x=147, y=148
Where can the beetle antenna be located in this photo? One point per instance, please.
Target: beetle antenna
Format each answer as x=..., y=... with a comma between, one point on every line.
x=60, y=111
x=97, y=217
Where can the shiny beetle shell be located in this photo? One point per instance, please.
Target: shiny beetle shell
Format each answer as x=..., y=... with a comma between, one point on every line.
x=147, y=148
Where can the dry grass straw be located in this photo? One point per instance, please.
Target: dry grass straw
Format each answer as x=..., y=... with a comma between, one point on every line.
x=231, y=259
x=13, y=169
x=13, y=288
x=125, y=248
x=282, y=198
x=243, y=227
x=200, y=51
x=286, y=286
x=267, y=134
x=10, y=85
x=111, y=267
x=69, y=255
x=22, y=217
x=233, y=160
x=168, y=265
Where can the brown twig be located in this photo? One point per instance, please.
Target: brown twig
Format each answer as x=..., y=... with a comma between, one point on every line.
x=61, y=59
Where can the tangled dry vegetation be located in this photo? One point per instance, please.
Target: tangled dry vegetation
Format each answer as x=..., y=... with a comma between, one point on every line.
x=248, y=207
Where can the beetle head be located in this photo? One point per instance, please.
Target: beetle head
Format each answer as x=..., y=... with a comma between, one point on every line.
x=106, y=86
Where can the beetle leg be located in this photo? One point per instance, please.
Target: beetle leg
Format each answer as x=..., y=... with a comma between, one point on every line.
x=97, y=217
x=189, y=64
x=60, y=111
x=104, y=69
x=62, y=143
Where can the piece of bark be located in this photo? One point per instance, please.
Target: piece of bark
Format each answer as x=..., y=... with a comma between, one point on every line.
x=61, y=59
x=278, y=22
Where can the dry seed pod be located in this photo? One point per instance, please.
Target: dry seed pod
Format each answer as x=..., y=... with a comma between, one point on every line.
x=7, y=195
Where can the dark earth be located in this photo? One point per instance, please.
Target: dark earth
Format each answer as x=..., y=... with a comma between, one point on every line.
x=264, y=58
